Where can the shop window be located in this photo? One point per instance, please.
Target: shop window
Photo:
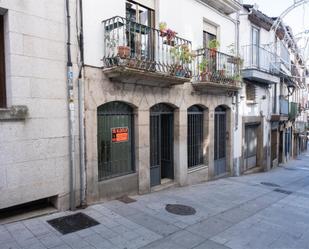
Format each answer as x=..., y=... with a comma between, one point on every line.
x=195, y=136
x=115, y=140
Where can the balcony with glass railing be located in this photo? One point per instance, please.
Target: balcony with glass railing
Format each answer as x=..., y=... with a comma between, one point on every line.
x=138, y=54
x=215, y=71
x=260, y=65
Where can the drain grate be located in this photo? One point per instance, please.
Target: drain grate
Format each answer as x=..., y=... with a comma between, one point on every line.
x=180, y=209
x=72, y=223
x=270, y=184
x=126, y=199
x=283, y=191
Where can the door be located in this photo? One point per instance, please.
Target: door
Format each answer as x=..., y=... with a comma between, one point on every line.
x=274, y=145
x=139, y=34
x=250, y=146
x=115, y=140
x=255, y=36
x=281, y=152
x=161, y=143
x=220, y=142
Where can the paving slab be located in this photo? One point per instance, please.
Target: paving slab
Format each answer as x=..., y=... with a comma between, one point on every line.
x=231, y=213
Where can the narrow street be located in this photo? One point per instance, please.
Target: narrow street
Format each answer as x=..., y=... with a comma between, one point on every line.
x=230, y=213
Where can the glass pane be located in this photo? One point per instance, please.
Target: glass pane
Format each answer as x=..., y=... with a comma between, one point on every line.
x=255, y=47
x=131, y=12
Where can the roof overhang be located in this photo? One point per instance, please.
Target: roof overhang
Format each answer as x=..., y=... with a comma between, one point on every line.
x=224, y=6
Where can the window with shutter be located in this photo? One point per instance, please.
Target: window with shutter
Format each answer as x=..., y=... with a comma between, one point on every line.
x=250, y=92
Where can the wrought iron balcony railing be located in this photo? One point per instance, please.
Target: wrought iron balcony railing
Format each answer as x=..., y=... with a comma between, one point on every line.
x=256, y=57
x=212, y=66
x=141, y=47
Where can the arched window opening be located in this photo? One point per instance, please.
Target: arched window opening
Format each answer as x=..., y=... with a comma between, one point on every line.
x=115, y=140
x=195, y=136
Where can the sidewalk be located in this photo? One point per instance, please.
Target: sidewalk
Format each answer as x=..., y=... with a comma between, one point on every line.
x=235, y=213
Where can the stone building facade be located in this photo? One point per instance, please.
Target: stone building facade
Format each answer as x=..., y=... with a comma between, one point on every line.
x=162, y=99
x=100, y=90
x=34, y=154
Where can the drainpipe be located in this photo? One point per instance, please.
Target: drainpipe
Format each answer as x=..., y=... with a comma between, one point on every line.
x=81, y=111
x=236, y=96
x=238, y=55
x=70, y=111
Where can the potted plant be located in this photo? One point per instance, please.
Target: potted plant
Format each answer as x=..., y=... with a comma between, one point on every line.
x=167, y=33
x=203, y=69
x=213, y=45
x=233, y=59
x=124, y=52
x=182, y=55
x=162, y=28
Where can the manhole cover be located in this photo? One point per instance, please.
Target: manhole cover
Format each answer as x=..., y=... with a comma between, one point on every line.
x=72, y=223
x=270, y=184
x=180, y=209
x=283, y=191
x=126, y=199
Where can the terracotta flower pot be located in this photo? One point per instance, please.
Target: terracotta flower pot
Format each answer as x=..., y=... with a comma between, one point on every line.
x=124, y=52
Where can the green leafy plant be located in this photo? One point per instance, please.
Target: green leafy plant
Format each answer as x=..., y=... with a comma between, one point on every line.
x=182, y=53
x=167, y=32
x=214, y=44
x=203, y=65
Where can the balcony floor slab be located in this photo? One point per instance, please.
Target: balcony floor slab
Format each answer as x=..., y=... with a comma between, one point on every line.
x=260, y=76
x=215, y=88
x=129, y=75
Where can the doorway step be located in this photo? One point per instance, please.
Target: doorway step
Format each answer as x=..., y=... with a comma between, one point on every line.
x=165, y=184
x=253, y=170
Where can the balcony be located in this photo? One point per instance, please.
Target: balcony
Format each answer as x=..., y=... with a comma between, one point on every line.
x=225, y=6
x=260, y=65
x=138, y=54
x=284, y=108
x=215, y=72
x=293, y=112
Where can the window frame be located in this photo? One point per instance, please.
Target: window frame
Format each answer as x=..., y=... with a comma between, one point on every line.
x=254, y=28
x=253, y=88
x=107, y=111
x=195, y=137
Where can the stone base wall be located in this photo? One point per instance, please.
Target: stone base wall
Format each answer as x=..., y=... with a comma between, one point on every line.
x=100, y=90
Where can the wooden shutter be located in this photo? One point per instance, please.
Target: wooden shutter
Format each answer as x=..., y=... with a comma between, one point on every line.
x=250, y=92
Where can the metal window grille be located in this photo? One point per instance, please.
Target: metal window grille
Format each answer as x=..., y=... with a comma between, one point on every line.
x=195, y=136
x=115, y=158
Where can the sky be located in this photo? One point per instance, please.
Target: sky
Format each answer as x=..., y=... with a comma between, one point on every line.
x=298, y=18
